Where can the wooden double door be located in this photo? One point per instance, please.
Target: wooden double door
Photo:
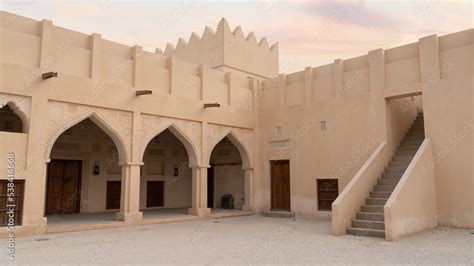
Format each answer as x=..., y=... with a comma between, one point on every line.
x=280, y=187
x=63, y=187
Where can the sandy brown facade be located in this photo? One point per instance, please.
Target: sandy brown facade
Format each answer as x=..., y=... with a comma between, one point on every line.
x=273, y=143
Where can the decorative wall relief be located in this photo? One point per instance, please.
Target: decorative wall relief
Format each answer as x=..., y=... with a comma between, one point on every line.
x=116, y=124
x=238, y=136
x=188, y=132
x=21, y=102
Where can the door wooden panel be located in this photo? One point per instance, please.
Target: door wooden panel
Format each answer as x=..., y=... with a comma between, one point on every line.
x=70, y=187
x=155, y=193
x=54, y=187
x=114, y=191
x=63, y=186
x=280, y=185
x=19, y=186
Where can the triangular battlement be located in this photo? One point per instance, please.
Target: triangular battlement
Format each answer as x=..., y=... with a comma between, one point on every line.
x=224, y=47
x=223, y=29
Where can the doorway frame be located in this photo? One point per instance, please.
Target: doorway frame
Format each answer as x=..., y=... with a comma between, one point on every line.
x=79, y=185
x=272, y=208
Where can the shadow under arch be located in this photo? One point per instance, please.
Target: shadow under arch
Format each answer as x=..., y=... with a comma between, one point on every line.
x=243, y=151
x=102, y=124
x=23, y=117
x=187, y=143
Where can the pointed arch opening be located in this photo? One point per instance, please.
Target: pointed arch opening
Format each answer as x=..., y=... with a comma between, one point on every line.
x=185, y=141
x=84, y=172
x=226, y=177
x=166, y=176
x=12, y=119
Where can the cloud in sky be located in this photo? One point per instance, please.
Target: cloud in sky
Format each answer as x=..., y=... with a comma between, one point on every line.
x=310, y=33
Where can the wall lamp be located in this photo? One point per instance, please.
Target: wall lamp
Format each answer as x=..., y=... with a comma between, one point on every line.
x=208, y=105
x=49, y=75
x=145, y=92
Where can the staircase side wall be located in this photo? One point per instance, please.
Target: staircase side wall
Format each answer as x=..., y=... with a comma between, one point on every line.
x=347, y=204
x=412, y=206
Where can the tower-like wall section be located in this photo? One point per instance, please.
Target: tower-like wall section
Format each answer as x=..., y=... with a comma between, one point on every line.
x=229, y=51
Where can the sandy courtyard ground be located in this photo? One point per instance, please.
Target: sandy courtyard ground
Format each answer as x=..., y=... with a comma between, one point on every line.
x=243, y=240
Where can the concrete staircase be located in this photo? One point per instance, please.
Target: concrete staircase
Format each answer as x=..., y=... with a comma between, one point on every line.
x=370, y=220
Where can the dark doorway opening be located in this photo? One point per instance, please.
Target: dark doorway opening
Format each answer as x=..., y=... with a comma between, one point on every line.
x=210, y=187
x=155, y=194
x=114, y=189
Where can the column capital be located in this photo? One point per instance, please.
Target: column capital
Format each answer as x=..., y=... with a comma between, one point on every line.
x=132, y=164
x=199, y=166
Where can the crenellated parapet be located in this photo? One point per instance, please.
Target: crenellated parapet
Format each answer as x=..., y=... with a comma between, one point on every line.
x=229, y=50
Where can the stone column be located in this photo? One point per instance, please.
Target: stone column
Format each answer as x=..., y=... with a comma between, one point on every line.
x=199, y=192
x=248, y=189
x=130, y=198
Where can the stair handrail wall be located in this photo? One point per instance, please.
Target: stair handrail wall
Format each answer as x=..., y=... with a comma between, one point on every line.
x=412, y=206
x=348, y=203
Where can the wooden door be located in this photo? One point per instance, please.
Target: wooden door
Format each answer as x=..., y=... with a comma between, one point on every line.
x=17, y=204
x=155, y=193
x=63, y=186
x=114, y=191
x=280, y=179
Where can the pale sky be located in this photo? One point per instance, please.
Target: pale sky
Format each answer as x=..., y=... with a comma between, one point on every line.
x=310, y=33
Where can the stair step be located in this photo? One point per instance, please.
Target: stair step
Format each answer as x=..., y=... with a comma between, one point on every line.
x=399, y=164
x=378, y=225
x=388, y=181
x=371, y=216
x=372, y=208
x=366, y=232
x=412, y=142
x=391, y=175
x=413, y=138
x=384, y=188
x=402, y=158
x=395, y=169
x=405, y=153
x=409, y=147
x=380, y=195
x=375, y=201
